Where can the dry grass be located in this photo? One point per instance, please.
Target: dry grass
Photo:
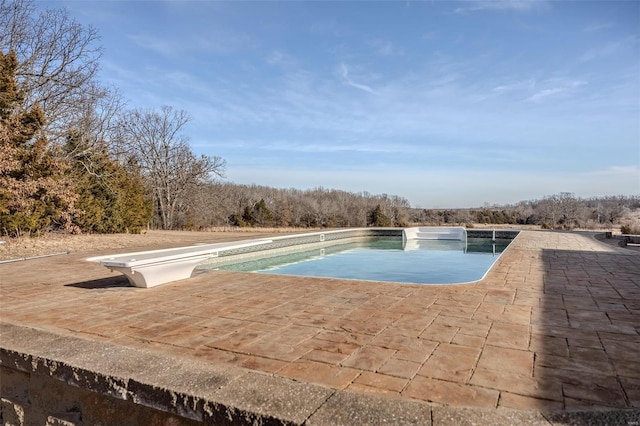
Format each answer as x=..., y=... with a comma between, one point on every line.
x=15, y=248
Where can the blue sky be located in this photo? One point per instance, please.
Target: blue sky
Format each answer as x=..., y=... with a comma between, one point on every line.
x=449, y=104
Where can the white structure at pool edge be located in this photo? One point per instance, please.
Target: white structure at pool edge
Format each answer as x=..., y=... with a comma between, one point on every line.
x=151, y=268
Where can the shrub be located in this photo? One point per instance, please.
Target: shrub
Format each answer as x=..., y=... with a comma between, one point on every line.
x=378, y=218
x=630, y=229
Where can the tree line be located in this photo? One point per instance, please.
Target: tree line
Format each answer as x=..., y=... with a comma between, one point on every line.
x=74, y=158
x=559, y=211
x=227, y=204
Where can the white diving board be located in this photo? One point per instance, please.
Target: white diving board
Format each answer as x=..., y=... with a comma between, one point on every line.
x=155, y=267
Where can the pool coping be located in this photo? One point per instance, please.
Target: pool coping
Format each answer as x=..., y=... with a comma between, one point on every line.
x=306, y=241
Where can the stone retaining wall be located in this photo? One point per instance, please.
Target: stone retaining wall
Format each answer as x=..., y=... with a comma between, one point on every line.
x=31, y=398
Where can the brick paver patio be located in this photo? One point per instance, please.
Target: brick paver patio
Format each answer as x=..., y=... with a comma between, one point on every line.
x=554, y=325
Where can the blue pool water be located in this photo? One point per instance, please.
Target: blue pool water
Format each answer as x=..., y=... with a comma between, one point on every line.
x=384, y=259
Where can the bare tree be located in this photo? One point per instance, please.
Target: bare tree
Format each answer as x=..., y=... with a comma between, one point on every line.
x=155, y=142
x=560, y=209
x=97, y=117
x=58, y=62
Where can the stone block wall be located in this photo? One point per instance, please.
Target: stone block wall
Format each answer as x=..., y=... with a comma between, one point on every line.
x=29, y=398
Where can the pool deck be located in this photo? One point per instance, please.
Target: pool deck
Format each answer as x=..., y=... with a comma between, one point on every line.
x=553, y=331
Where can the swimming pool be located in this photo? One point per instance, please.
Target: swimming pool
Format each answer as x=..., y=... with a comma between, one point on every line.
x=388, y=259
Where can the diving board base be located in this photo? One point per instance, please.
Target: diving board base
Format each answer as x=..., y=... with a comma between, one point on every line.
x=154, y=275
x=147, y=269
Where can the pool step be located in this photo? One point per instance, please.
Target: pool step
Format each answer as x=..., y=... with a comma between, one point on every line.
x=457, y=233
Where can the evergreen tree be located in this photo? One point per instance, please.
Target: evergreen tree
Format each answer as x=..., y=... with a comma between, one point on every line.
x=378, y=218
x=262, y=215
x=35, y=193
x=111, y=199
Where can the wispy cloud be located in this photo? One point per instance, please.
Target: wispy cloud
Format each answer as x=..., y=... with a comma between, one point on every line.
x=601, y=51
x=220, y=43
x=501, y=5
x=633, y=172
x=330, y=28
x=537, y=91
x=545, y=93
x=430, y=35
x=552, y=88
x=156, y=44
x=517, y=86
x=333, y=146
x=385, y=47
x=597, y=27
x=343, y=72
x=282, y=59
